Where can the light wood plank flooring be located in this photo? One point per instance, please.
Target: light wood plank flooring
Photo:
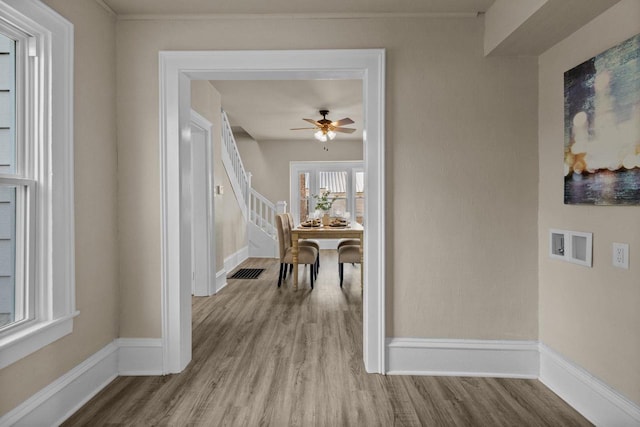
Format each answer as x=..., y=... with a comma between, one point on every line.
x=275, y=357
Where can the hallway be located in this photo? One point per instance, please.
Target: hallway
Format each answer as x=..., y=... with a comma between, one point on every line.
x=269, y=356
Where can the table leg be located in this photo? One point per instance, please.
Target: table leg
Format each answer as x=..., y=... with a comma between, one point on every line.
x=294, y=253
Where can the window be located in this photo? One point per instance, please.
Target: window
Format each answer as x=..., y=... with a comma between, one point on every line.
x=345, y=181
x=304, y=195
x=358, y=183
x=37, y=302
x=16, y=190
x=336, y=183
x=9, y=313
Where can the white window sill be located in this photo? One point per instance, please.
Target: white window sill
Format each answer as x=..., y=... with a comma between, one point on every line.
x=26, y=341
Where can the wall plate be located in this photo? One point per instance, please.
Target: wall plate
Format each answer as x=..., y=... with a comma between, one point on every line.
x=572, y=246
x=621, y=255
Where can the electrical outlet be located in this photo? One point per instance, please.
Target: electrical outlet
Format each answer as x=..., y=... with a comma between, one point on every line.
x=621, y=255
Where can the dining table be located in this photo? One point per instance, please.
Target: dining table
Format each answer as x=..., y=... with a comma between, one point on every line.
x=354, y=230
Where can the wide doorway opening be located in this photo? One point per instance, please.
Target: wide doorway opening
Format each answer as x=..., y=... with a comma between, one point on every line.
x=177, y=69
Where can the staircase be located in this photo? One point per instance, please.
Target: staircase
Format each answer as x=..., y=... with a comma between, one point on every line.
x=257, y=210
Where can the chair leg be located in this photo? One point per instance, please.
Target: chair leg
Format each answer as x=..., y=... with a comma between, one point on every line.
x=282, y=268
x=311, y=274
x=290, y=268
x=341, y=272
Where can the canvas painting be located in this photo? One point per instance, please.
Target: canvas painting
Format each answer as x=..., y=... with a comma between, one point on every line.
x=602, y=128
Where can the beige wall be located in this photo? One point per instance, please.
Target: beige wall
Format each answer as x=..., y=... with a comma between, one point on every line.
x=95, y=209
x=206, y=101
x=231, y=229
x=461, y=167
x=269, y=161
x=589, y=315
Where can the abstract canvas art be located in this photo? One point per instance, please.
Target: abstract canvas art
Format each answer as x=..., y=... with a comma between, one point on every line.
x=602, y=128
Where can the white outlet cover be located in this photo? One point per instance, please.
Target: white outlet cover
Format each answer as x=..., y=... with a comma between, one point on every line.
x=621, y=255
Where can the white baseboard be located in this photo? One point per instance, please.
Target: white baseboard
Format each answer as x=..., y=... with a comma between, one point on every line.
x=595, y=400
x=139, y=356
x=60, y=399
x=221, y=280
x=417, y=356
x=235, y=259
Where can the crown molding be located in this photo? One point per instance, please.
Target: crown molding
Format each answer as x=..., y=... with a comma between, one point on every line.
x=106, y=7
x=276, y=16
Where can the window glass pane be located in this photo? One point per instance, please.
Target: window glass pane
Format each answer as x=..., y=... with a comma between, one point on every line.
x=336, y=183
x=7, y=104
x=339, y=207
x=303, y=196
x=359, y=202
x=10, y=297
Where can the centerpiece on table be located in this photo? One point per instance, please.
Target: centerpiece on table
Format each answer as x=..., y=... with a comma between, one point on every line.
x=323, y=203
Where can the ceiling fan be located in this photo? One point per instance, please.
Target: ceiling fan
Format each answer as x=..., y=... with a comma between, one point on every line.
x=326, y=129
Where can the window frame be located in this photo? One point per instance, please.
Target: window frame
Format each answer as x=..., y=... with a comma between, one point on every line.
x=24, y=252
x=314, y=168
x=22, y=179
x=354, y=189
x=44, y=166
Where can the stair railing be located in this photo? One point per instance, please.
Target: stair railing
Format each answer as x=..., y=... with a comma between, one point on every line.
x=263, y=213
x=255, y=207
x=240, y=181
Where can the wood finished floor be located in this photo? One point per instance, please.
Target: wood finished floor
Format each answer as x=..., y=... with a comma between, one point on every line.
x=275, y=357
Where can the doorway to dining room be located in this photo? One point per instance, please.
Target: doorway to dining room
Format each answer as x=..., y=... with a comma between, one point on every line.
x=177, y=69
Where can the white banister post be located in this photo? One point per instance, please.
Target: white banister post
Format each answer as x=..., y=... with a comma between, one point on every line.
x=249, y=175
x=281, y=206
x=272, y=221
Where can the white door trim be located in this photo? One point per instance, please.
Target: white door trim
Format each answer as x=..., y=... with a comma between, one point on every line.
x=176, y=69
x=204, y=125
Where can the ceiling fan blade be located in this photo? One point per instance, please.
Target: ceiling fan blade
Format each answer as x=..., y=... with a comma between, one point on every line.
x=344, y=130
x=313, y=122
x=342, y=122
x=302, y=128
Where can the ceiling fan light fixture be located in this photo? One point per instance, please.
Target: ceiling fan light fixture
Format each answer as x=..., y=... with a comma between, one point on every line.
x=326, y=130
x=320, y=136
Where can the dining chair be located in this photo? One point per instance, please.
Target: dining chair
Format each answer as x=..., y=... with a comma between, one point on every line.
x=306, y=254
x=305, y=242
x=342, y=242
x=348, y=254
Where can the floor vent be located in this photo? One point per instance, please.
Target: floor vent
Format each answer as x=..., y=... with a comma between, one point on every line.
x=247, y=273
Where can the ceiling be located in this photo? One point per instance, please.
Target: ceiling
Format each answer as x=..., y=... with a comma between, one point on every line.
x=182, y=7
x=267, y=110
